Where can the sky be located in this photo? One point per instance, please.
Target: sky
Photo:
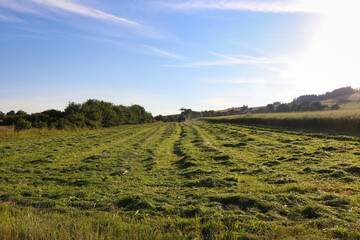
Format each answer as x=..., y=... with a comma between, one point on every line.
x=165, y=55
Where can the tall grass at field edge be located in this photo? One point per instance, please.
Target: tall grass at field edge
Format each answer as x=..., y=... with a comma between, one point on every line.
x=341, y=121
x=31, y=224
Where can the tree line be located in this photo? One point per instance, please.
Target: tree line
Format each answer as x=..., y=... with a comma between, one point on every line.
x=187, y=114
x=311, y=102
x=90, y=114
x=302, y=103
x=291, y=107
x=340, y=92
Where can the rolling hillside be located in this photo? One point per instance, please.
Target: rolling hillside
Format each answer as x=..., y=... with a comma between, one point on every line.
x=347, y=98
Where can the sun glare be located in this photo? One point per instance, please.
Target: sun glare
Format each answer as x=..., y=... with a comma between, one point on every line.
x=332, y=58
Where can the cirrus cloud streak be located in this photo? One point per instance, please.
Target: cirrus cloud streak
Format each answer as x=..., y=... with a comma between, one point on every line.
x=288, y=6
x=36, y=7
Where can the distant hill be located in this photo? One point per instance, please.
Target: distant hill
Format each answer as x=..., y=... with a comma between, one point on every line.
x=332, y=97
x=345, y=97
x=341, y=98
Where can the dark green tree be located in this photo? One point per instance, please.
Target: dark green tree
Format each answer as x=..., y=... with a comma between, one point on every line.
x=335, y=107
x=316, y=106
x=11, y=113
x=72, y=108
x=159, y=118
x=185, y=114
x=22, y=124
x=283, y=108
x=20, y=113
x=244, y=109
x=270, y=108
x=122, y=112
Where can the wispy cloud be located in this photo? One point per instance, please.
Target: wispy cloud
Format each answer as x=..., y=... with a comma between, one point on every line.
x=288, y=6
x=37, y=7
x=102, y=39
x=164, y=53
x=234, y=81
x=233, y=60
x=18, y=6
x=5, y=18
x=224, y=60
x=134, y=46
x=70, y=6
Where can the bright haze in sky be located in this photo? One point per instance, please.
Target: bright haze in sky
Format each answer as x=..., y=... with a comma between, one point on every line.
x=164, y=55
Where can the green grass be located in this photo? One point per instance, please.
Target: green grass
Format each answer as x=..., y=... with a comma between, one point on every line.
x=180, y=181
x=340, y=121
x=350, y=106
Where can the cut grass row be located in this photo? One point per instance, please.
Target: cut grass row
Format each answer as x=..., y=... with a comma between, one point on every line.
x=180, y=181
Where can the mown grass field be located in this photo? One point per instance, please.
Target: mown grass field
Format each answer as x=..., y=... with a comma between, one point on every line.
x=191, y=180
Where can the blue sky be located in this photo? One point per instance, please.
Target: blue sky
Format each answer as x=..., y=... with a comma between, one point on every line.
x=165, y=55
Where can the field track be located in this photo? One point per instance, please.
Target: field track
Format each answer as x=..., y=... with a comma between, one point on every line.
x=180, y=181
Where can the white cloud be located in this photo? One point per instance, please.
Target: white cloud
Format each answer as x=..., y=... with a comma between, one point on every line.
x=288, y=6
x=70, y=6
x=163, y=52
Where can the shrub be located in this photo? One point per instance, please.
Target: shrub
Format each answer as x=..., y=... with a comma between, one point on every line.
x=22, y=124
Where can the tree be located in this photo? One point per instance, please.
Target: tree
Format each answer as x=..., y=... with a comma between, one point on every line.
x=335, y=107
x=76, y=120
x=72, y=108
x=39, y=125
x=270, y=108
x=304, y=106
x=244, y=109
x=159, y=118
x=52, y=113
x=22, y=124
x=122, y=112
x=11, y=113
x=92, y=113
x=186, y=113
x=316, y=106
x=344, y=91
x=91, y=110
x=20, y=113
x=139, y=114
x=305, y=98
x=2, y=115
x=283, y=108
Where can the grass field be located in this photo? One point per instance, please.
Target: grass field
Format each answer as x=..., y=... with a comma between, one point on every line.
x=336, y=121
x=191, y=180
x=351, y=106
